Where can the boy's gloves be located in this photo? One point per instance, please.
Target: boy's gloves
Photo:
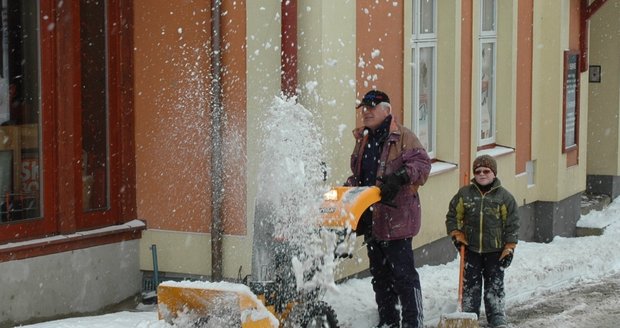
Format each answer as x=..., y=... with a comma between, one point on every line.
x=458, y=238
x=391, y=185
x=506, y=258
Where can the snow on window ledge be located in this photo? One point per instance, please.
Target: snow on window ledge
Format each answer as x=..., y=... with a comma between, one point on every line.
x=495, y=151
x=439, y=167
x=60, y=243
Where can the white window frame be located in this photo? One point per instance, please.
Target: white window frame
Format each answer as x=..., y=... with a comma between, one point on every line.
x=421, y=40
x=487, y=110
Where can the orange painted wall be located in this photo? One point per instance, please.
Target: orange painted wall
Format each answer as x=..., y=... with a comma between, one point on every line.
x=466, y=87
x=379, y=26
x=172, y=77
x=572, y=156
x=235, y=105
x=523, y=148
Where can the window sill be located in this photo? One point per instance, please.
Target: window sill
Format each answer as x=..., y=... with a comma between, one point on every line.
x=439, y=167
x=496, y=151
x=63, y=243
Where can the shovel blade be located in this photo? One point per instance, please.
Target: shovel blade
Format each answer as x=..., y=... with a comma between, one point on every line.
x=458, y=320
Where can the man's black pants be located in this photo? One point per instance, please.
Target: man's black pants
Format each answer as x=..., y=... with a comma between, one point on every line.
x=394, y=279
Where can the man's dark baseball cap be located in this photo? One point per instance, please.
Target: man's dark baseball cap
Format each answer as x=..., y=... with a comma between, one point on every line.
x=373, y=98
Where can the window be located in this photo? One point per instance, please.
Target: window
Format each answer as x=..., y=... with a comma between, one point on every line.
x=68, y=144
x=487, y=51
x=424, y=45
x=94, y=96
x=20, y=180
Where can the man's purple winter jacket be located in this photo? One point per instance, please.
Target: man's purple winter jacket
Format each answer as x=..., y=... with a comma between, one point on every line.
x=401, y=149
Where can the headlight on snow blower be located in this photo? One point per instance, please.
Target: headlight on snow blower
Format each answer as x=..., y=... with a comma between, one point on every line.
x=331, y=195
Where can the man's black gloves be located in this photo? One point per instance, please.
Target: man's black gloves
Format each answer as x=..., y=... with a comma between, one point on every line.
x=391, y=185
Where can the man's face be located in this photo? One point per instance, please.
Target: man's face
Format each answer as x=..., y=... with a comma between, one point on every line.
x=374, y=116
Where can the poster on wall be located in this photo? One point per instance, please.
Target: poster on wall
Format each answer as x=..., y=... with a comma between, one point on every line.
x=4, y=65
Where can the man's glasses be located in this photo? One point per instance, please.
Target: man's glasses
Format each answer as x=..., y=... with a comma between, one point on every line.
x=482, y=171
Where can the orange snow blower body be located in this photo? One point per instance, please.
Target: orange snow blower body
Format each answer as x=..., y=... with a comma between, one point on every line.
x=253, y=307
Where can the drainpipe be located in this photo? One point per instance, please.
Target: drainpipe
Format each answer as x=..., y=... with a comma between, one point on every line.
x=586, y=11
x=288, y=60
x=216, y=141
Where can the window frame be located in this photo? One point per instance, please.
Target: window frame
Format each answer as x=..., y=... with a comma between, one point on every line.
x=487, y=37
x=60, y=124
x=420, y=40
x=109, y=216
x=46, y=224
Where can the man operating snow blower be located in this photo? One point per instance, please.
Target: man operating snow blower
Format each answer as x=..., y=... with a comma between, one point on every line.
x=390, y=156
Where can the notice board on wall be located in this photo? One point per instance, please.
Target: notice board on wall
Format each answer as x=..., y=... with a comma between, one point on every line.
x=570, y=101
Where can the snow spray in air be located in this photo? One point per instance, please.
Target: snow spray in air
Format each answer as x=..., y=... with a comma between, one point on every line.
x=290, y=190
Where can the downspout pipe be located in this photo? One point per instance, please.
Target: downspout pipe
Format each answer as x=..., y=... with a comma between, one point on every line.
x=216, y=142
x=288, y=59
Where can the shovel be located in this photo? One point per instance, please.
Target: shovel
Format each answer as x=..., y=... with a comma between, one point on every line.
x=459, y=319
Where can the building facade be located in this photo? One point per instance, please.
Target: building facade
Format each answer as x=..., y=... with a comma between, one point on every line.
x=128, y=124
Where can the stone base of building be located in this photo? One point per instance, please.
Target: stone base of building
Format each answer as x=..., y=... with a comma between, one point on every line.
x=78, y=282
x=603, y=184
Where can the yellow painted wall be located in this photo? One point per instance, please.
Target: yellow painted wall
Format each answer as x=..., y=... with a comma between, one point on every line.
x=506, y=75
x=604, y=101
x=555, y=181
x=327, y=61
x=190, y=253
x=263, y=79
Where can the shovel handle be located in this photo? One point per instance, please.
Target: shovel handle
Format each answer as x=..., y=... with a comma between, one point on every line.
x=461, y=273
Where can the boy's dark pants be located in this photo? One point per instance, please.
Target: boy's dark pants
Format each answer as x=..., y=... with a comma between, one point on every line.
x=395, y=278
x=479, y=269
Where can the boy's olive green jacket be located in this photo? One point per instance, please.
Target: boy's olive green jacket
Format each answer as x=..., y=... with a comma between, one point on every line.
x=489, y=221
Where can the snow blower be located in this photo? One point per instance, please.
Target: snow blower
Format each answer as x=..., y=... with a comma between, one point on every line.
x=459, y=319
x=272, y=303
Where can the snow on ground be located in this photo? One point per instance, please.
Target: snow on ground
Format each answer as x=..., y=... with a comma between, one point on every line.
x=537, y=270
x=539, y=273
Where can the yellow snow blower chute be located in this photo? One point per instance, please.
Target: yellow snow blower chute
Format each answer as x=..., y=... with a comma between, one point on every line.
x=343, y=206
x=266, y=303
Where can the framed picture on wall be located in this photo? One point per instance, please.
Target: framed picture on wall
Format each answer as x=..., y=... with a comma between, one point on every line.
x=595, y=74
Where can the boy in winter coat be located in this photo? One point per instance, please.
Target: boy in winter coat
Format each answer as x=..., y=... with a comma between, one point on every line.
x=483, y=217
